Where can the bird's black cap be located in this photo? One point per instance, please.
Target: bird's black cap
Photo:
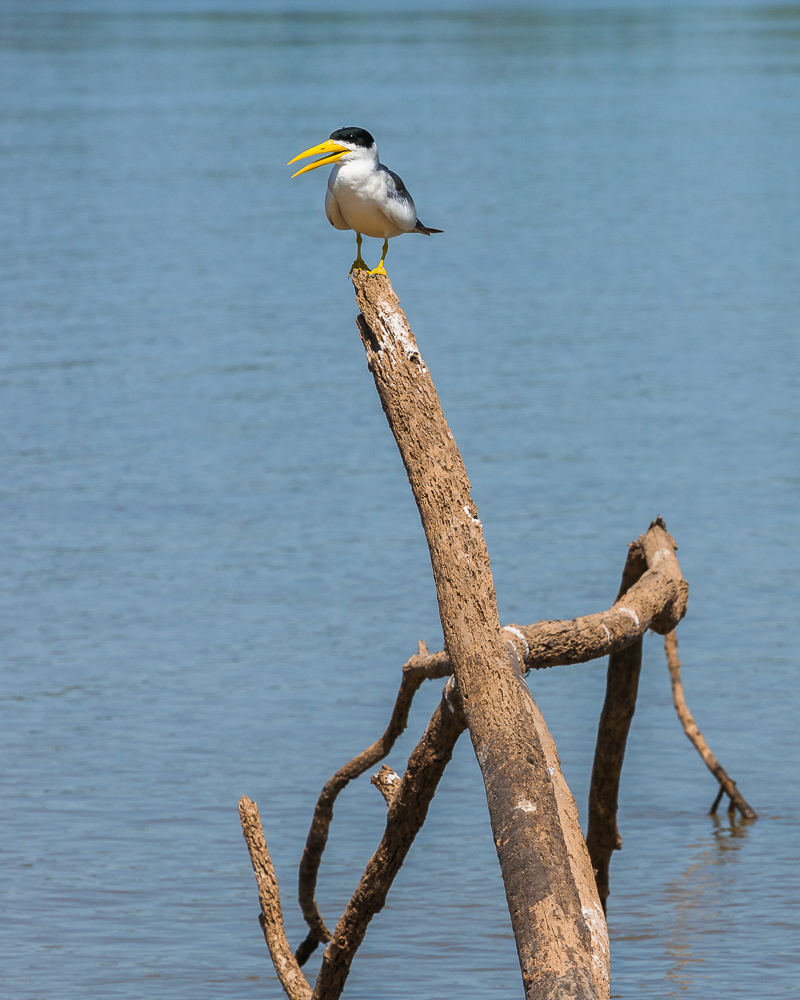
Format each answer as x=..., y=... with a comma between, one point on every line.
x=354, y=135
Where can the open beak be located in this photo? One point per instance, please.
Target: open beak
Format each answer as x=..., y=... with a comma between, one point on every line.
x=332, y=150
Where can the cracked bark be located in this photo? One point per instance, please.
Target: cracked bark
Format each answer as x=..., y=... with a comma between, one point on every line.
x=550, y=889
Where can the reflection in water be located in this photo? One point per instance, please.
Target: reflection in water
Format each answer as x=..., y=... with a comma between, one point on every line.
x=696, y=893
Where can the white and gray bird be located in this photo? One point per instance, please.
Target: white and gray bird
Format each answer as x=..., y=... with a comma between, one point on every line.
x=363, y=194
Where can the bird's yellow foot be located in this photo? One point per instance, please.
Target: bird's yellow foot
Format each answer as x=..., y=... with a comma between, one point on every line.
x=359, y=263
x=380, y=269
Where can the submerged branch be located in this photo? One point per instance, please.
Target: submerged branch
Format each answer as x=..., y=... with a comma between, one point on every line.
x=651, y=556
x=622, y=685
x=727, y=785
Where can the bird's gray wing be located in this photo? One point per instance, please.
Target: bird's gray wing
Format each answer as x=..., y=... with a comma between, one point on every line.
x=333, y=213
x=399, y=205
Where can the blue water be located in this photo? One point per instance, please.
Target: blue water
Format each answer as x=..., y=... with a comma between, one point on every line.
x=212, y=565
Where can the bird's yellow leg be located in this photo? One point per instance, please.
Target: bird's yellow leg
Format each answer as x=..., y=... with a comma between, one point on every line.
x=380, y=269
x=358, y=263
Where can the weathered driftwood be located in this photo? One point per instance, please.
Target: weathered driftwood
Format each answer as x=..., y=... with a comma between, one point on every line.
x=644, y=596
x=542, y=644
x=622, y=685
x=406, y=814
x=653, y=599
x=726, y=784
x=556, y=915
x=653, y=551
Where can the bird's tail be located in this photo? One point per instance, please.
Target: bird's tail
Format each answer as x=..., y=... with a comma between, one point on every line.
x=425, y=230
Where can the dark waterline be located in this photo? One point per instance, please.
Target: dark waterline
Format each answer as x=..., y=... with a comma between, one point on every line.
x=213, y=565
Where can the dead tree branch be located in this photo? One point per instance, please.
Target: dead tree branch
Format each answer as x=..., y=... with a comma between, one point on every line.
x=655, y=597
x=407, y=811
x=652, y=555
x=543, y=644
x=271, y=917
x=555, y=912
x=622, y=685
x=645, y=596
x=726, y=784
x=416, y=670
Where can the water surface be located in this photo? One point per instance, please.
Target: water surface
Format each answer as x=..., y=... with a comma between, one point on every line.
x=213, y=568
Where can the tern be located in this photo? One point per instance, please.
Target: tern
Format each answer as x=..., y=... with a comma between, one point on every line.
x=363, y=194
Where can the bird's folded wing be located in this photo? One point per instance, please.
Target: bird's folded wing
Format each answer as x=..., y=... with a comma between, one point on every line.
x=398, y=206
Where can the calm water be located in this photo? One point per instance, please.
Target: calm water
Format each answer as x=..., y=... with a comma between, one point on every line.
x=213, y=568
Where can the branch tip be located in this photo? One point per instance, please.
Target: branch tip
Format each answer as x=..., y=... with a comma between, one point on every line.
x=294, y=983
x=696, y=738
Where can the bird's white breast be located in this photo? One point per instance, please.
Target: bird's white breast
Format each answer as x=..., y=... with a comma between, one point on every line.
x=360, y=188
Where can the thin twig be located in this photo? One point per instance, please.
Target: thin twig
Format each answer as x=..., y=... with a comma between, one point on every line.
x=415, y=671
x=406, y=814
x=696, y=737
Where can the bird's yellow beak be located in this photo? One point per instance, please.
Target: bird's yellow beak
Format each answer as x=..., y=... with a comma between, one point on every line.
x=332, y=150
